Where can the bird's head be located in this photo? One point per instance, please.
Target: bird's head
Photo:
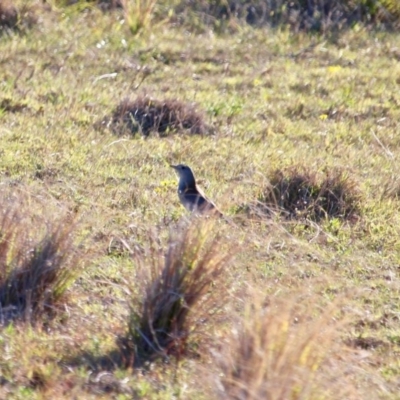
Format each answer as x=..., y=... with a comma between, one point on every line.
x=185, y=173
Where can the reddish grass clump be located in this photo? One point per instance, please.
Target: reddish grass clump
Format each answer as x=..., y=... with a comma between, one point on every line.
x=146, y=115
x=179, y=291
x=35, y=269
x=300, y=194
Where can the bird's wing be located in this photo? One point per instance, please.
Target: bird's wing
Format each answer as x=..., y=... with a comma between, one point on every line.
x=208, y=203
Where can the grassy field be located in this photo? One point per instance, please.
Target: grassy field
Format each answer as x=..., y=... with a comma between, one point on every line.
x=291, y=308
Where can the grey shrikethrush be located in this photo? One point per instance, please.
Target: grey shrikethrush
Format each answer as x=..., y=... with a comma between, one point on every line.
x=190, y=195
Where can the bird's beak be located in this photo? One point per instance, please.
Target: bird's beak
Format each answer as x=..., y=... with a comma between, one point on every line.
x=173, y=166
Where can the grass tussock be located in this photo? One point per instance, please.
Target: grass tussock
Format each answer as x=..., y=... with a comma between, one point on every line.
x=8, y=15
x=298, y=193
x=145, y=115
x=180, y=290
x=36, y=268
x=138, y=14
x=18, y=17
x=279, y=351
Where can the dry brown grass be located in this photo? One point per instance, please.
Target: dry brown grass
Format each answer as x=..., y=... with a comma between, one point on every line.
x=282, y=351
x=180, y=291
x=38, y=262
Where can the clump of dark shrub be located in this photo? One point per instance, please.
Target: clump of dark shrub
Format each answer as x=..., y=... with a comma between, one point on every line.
x=37, y=266
x=317, y=15
x=145, y=115
x=17, y=19
x=179, y=290
x=297, y=193
x=8, y=15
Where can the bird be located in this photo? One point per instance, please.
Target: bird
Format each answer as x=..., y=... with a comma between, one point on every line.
x=189, y=193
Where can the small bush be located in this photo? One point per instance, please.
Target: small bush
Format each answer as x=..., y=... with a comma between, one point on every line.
x=298, y=193
x=145, y=115
x=35, y=269
x=279, y=352
x=179, y=291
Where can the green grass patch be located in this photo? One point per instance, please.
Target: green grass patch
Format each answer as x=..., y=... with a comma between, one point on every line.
x=300, y=104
